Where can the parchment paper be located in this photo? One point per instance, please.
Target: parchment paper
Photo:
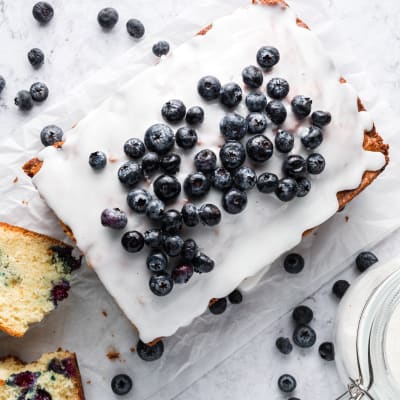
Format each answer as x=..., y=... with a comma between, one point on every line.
x=80, y=324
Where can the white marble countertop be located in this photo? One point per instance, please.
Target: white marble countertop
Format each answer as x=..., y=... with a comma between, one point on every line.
x=75, y=46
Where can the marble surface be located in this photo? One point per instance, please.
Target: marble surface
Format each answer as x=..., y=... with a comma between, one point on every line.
x=75, y=46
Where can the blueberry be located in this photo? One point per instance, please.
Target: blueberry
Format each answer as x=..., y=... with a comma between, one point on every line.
x=278, y=88
x=132, y=241
x=195, y=115
x=245, y=178
x=302, y=315
x=39, y=91
x=51, y=134
x=43, y=12
x=36, y=57
x=284, y=345
x=365, y=259
x=189, y=250
x=114, y=218
x=340, y=288
x=202, y=263
x=259, y=148
x=196, y=185
x=172, y=222
x=150, y=163
x=182, y=273
x=209, y=87
x=256, y=101
x=170, y=163
x=134, y=148
x=327, y=351
x=252, y=76
x=42, y=394
x=304, y=186
x=186, y=138
x=157, y=262
x=153, y=238
x=121, y=384
x=267, y=182
x=294, y=166
x=107, y=17
x=321, y=118
x=190, y=215
x=2, y=83
x=167, y=187
x=287, y=189
x=23, y=380
x=155, y=209
x=135, y=28
x=130, y=173
x=161, y=48
x=267, y=56
x=233, y=126
x=210, y=214
x=276, y=112
x=315, y=163
x=205, y=161
x=301, y=106
x=138, y=200
x=63, y=367
x=234, y=201
x=97, y=160
x=256, y=123
x=293, y=263
x=23, y=100
x=159, y=138
x=287, y=383
x=161, y=284
x=173, y=110
x=221, y=179
x=313, y=138
x=235, y=297
x=284, y=141
x=232, y=155
x=173, y=245
x=304, y=336
x=59, y=292
x=150, y=353
x=230, y=95
x=218, y=307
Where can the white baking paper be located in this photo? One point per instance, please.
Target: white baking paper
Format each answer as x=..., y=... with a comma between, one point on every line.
x=91, y=324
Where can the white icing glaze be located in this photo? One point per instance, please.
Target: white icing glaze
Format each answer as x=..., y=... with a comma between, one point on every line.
x=243, y=244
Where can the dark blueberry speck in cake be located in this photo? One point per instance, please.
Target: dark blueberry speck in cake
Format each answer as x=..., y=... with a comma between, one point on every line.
x=276, y=112
x=252, y=76
x=209, y=87
x=293, y=263
x=161, y=284
x=64, y=367
x=304, y=336
x=194, y=115
x=159, y=138
x=267, y=182
x=313, y=138
x=107, y=17
x=24, y=100
x=235, y=297
x=221, y=179
x=190, y=215
x=230, y=95
x=186, y=138
x=205, y=160
x=121, y=384
x=256, y=123
x=170, y=163
x=315, y=163
x=259, y=148
x=340, y=288
x=43, y=12
x=210, y=214
x=267, y=57
x=245, y=178
x=130, y=173
x=64, y=253
x=161, y=48
x=232, y=155
x=97, y=160
x=287, y=189
x=51, y=134
x=39, y=91
x=278, y=88
x=182, y=273
x=234, y=201
x=172, y=222
x=157, y=262
x=135, y=28
x=365, y=260
x=233, y=126
x=42, y=394
x=23, y=380
x=132, y=241
x=114, y=218
x=284, y=345
x=134, y=148
x=167, y=187
x=256, y=101
x=301, y=106
x=36, y=57
x=202, y=263
x=196, y=185
x=150, y=353
x=59, y=291
x=287, y=383
x=284, y=141
x=218, y=307
x=302, y=315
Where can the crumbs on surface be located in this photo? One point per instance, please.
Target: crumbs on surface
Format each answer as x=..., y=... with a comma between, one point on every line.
x=346, y=218
x=15, y=179
x=113, y=354
x=104, y=312
x=112, y=159
x=88, y=381
x=132, y=349
x=25, y=202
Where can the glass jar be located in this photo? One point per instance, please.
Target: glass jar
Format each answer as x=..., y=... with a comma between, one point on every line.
x=368, y=335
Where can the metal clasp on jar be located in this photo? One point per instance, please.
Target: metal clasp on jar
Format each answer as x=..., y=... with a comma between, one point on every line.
x=355, y=391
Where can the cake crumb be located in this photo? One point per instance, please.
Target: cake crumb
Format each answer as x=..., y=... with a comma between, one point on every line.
x=25, y=202
x=113, y=159
x=113, y=354
x=347, y=218
x=132, y=349
x=74, y=125
x=104, y=312
x=15, y=179
x=88, y=381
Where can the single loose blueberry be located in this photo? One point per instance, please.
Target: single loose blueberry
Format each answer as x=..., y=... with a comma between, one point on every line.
x=294, y=166
x=267, y=56
x=172, y=222
x=23, y=100
x=167, y=187
x=256, y=123
x=2, y=83
x=365, y=260
x=121, y=384
x=150, y=163
x=230, y=95
x=252, y=76
x=205, y=161
x=256, y=101
x=173, y=110
x=235, y=297
x=234, y=201
x=293, y=263
x=138, y=200
x=157, y=262
x=173, y=245
x=321, y=118
x=259, y=148
x=209, y=87
x=135, y=28
x=267, y=182
x=284, y=141
x=182, y=273
x=327, y=351
x=202, y=263
x=39, y=91
x=43, y=12
x=210, y=214
x=159, y=138
x=278, y=88
x=170, y=163
x=36, y=57
x=150, y=353
x=315, y=163
x=340, y=288
x=190, y=215
x=186, y=138
x=233, y=126
x=284, y=345
x=245, y=178
x=302, y=315
x=51, y=134
x=97, y=160
x=304, y=186
x=130, y=173
x=301, y=106
x=161, y=48
x=313, y=138
x=107, y=17
x=161, y=284
x=218, y=307
x=189, y=250
x=132, y=241
x=287, y=189
x=221, y=179
x=276, y=112
x=232, y=155
x=194, y=115
x=287, y=383
x=155, y=209
x=196, y=185
x=153, y=238
x=114, y=218
x=304, y=336
x=134, y=148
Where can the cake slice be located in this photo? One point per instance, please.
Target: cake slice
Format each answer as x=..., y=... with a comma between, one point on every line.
x=35, y=271
x=243, y=243
x=55, y=376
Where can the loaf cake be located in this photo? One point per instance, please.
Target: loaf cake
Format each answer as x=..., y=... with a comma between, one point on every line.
x=243, y=244
x=35, y=271
x=55, y=376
